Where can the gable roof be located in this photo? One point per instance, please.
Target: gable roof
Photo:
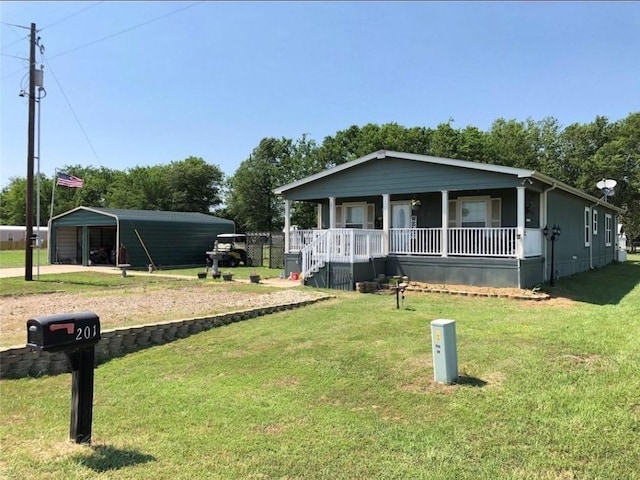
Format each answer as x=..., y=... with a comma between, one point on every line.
x=155, y=215
x=381, y=154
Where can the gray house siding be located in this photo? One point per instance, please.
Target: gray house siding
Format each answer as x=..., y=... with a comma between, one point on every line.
x=390, y=175
x=496, y=272
x=429, y=214
x=571, y=254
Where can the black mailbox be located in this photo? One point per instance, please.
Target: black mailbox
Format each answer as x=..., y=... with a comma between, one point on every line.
x=63, y=331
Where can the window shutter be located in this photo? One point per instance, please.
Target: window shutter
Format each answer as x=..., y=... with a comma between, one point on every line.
x=453, y=213
x=371, y=216
x=339, y=220
x=496, y=212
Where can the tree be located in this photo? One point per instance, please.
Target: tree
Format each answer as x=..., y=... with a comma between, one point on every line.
x=194, y=185
x=251, y=201
x=444, y=141
x=12, y=202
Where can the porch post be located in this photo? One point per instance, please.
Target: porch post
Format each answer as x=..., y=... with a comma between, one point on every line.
x=445, y=223
x=543, y=222
x=386, y=224
x=287, y=225
x=332, y=212
x=520, y=222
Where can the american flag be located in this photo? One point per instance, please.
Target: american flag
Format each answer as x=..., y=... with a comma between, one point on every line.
x=67, y=180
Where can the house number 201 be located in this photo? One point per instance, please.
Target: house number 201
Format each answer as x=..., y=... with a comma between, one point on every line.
x=86, y=333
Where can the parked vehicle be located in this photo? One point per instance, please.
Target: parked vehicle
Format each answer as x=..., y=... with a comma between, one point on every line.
x=230, y=249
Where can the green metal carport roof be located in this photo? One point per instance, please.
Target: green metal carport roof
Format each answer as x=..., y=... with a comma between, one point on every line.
x=151, y=236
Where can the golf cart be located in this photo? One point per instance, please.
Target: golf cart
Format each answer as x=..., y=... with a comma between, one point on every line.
x=230, y=250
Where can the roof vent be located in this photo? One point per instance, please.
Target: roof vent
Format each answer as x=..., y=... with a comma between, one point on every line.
x=381, y=154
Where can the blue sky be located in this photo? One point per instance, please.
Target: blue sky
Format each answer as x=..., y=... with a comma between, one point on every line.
x=213, y=80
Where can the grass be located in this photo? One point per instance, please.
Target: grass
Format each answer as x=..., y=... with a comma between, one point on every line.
x=344, y=389
x=16, y=258
x=80, y=281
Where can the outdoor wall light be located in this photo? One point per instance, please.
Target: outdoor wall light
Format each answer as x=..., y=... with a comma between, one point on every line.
x=555, y=234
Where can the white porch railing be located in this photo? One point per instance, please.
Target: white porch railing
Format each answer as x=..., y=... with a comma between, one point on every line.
x=298, y=239
x=415, y=241
x=482, y=242
x=350, y=245
x=339, y=245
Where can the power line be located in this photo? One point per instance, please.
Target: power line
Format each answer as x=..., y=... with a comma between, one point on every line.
x=70, y=16
x=72, y=110
x=14, y=25
x=14, y=42
x=48, y=26
x=14, y=56
x=147, y=22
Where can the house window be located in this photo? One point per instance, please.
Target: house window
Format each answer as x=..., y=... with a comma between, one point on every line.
x=587, y=226
x=473, y=213
x=355, y=215
x=595, y=221
x=607, y=229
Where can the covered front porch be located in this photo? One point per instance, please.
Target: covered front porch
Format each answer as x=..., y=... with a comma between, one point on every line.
x=424, y=254
x=424, y=233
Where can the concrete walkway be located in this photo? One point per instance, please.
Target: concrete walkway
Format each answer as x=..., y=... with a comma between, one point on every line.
x=44, y=270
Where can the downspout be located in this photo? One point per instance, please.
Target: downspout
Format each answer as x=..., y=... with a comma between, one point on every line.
x=546, y=220
x=599, y=202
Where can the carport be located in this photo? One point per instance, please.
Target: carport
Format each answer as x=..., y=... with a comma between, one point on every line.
x=84, y=235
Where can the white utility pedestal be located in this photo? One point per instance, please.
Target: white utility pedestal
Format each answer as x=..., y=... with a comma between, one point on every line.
x=445, y=356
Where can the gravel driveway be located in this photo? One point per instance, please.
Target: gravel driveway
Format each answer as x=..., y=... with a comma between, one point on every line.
x=117, y=308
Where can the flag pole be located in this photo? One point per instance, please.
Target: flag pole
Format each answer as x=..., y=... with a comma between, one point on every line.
x=53, y=194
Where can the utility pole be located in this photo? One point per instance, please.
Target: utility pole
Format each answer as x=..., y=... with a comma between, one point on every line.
x=28, y=263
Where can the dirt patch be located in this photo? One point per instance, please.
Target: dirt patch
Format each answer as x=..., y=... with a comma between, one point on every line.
x=135, y=306
x=471, y=290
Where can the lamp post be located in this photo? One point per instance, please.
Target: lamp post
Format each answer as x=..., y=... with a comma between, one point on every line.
x=555, y=234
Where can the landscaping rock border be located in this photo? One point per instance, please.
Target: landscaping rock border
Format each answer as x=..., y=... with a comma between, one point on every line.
x=24, y=361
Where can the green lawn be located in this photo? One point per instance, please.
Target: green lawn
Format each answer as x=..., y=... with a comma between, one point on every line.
x=16, y=258
x=344, y=389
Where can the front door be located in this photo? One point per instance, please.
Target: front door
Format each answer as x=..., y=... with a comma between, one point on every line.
x=400, y=218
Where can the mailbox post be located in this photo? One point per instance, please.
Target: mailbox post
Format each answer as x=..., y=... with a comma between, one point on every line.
x=75, y=334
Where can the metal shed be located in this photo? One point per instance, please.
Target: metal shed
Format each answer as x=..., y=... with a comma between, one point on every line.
x=83, y=234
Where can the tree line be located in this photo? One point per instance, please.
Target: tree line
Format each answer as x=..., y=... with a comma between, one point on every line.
x=578, y=155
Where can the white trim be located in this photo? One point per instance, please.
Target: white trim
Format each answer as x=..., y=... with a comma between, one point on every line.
x=594, y=221
x=332, y=212
x=287, y=224
x=445, y=223
x=587, y=227
x=386, y=222
x=608, y=229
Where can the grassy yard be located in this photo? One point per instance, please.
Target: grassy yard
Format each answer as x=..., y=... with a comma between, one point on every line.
x=344, y=389
x=15, y=258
